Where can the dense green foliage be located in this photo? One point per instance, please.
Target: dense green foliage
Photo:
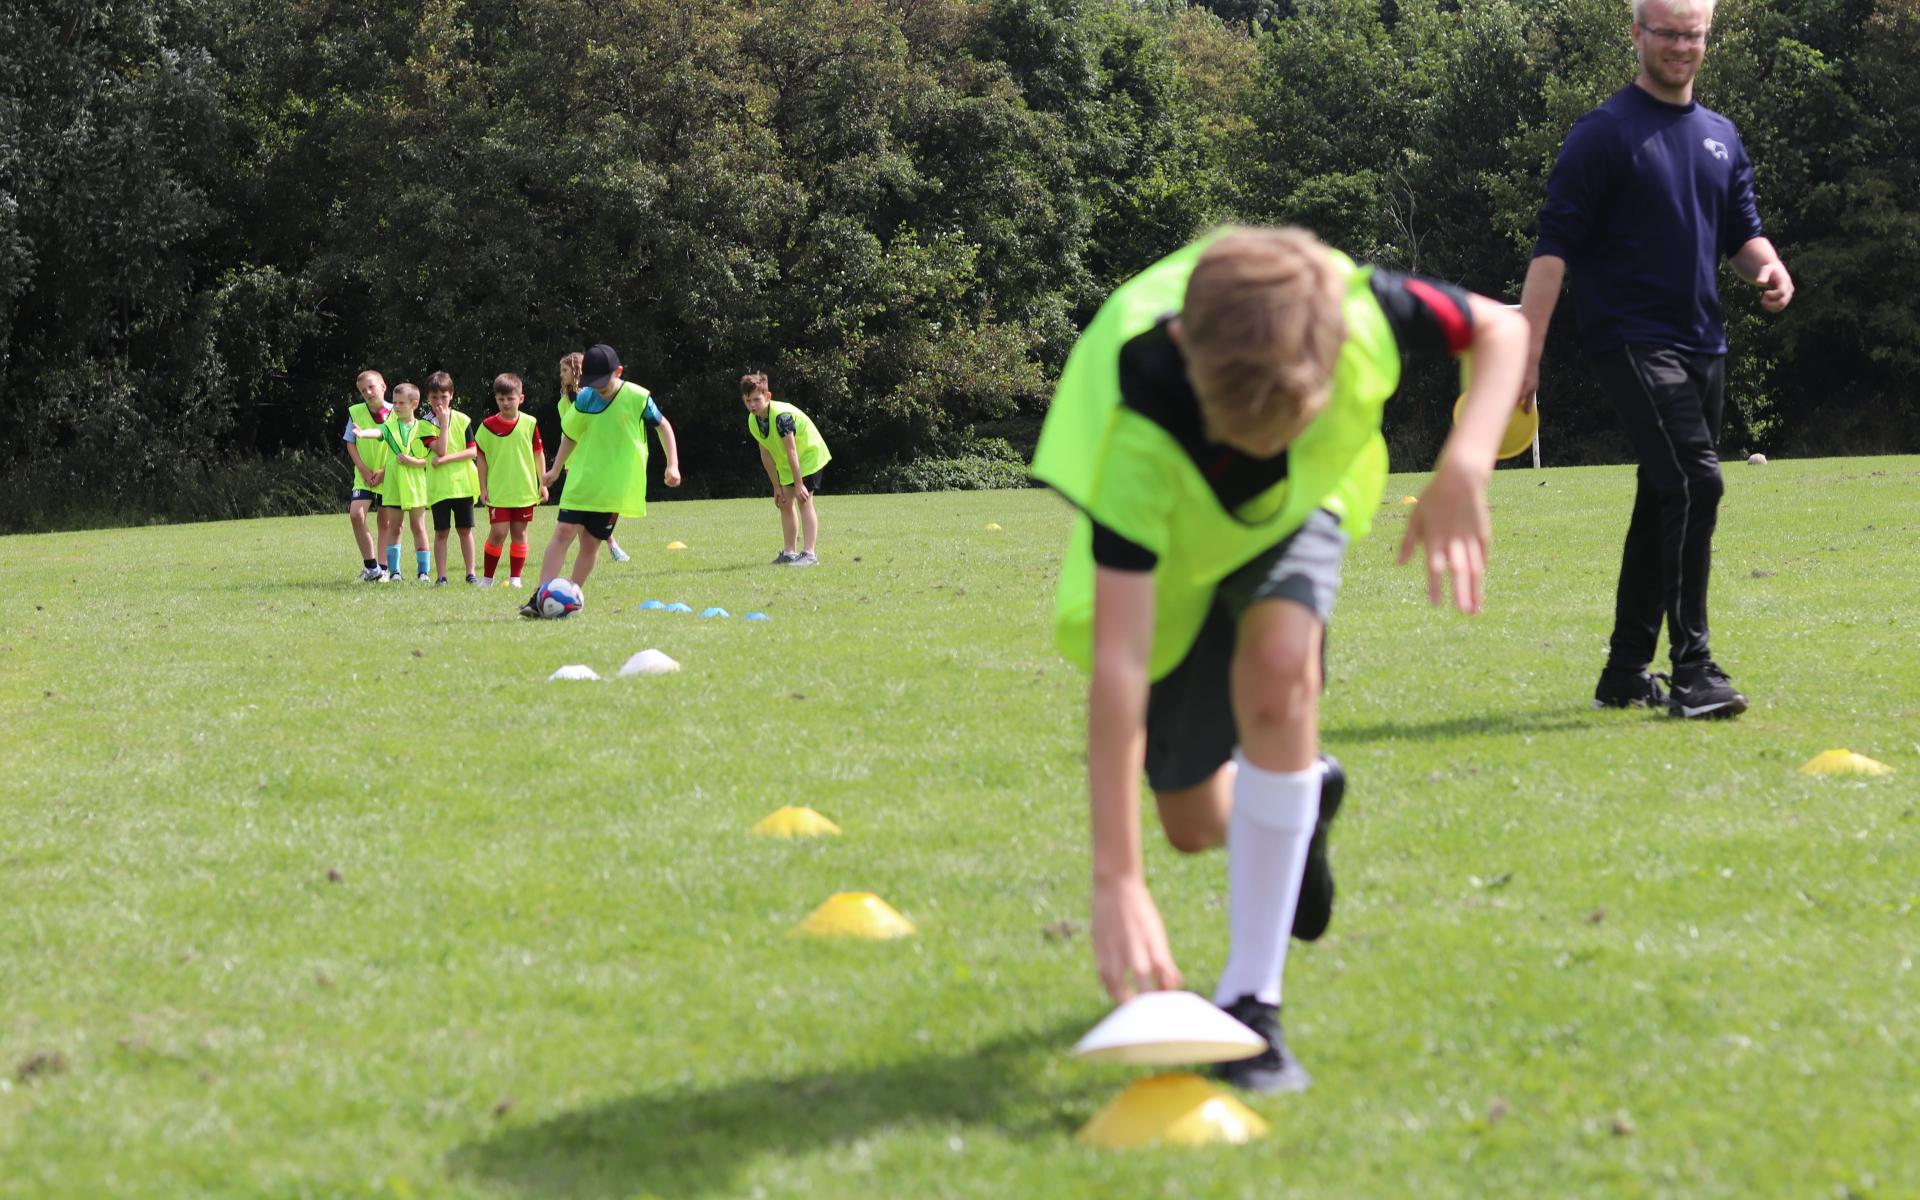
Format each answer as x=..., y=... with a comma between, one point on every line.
x=213, y=213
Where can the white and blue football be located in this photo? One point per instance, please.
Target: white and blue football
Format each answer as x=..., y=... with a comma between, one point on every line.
x=558, y=598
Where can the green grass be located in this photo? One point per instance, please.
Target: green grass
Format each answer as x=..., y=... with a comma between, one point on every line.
x=555, y=964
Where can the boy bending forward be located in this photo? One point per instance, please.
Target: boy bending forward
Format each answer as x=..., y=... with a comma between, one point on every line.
x=1218, y=426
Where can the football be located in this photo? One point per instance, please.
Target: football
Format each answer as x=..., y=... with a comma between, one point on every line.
x=559, y=598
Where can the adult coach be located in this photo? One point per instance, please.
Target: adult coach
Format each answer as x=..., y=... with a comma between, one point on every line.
x=1650, y=191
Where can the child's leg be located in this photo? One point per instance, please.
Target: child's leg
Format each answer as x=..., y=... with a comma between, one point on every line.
x=442, y=516
x=789, y=523
x=1276, y=791
x=555, y=560
x=390, y=538
x=809, y=524
x=583, y=561
x=417, y=521
x=362, y=536
x=517, y=560
x=465, y=529
x=497, y=539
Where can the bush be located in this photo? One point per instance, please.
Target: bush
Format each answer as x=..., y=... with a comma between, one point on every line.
x=56, y=494
x=984, y=464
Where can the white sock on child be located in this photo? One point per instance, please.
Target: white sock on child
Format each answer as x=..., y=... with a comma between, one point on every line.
x=1267, y=836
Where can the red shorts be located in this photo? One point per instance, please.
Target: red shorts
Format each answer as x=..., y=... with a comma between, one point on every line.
x=500, y=516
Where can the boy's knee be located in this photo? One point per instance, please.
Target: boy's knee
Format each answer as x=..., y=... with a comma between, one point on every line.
x=1278, y=681
x=1189, y=838
x=1283, y=662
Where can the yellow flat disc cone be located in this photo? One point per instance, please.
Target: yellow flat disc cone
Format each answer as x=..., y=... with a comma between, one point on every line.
x=676, y=545
x=1521, y=427
x=1843, y=762
x=1180, y=1109
x=1409, y=500
x=993, y=524
x=856, y=915
x=794, y=822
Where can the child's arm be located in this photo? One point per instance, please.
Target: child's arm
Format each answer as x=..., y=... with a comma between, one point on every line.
x=792, y=448
x=1451, y=518
x=443, y=426
x=672, y=447
x=359, y=465
x=559, y=462
x=773, y=472
x=1129, y=939
x=441, y=458
x=480, y=463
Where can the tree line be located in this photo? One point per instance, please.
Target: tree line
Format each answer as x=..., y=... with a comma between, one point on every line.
x=214, y=213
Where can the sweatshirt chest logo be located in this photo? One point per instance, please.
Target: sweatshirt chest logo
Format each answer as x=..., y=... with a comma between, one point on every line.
x=1717, y=149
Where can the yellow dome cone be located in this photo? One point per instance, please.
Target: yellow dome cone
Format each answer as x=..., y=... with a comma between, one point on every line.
x=993, y=524
x=1843, y=762
x=676, y=545
x=855, y=915
x=795, y=822
x=1178, y=1109
x=1409, y=500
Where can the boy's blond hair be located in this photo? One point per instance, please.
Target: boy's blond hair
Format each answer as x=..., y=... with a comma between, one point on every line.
x=1261, y=328
x=357, y=379
x=570, y=367
x=407, y=390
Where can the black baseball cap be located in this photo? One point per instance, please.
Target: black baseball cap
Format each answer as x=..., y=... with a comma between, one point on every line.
x=598, y=365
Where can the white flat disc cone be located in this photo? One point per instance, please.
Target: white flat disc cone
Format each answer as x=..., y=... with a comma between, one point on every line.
x=1167, y=1028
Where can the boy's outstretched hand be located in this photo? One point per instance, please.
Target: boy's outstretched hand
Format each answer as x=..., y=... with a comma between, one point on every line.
x=1130, y=941
x=1451, y=520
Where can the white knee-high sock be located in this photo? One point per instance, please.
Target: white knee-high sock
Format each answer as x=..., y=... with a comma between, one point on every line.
x=1267, y=836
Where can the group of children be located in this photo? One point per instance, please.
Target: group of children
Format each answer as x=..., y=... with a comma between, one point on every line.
x=407, y=464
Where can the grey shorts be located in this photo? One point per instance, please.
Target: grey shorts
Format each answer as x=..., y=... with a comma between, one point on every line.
x=1190, y=726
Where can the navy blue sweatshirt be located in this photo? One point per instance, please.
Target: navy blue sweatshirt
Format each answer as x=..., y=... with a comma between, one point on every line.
x=1645, y=201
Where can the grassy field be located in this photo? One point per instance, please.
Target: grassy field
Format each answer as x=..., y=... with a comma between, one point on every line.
x=318, y=888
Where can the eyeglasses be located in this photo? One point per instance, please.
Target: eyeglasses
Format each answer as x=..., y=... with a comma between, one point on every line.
x=1676, y=37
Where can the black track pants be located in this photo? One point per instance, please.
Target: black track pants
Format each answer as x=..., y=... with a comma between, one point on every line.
x=1669, y=403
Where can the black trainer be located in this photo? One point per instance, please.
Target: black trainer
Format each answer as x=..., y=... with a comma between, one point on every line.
x=1629, y=689
x=1271, y=1071
x=530, y=610
x=1315, y=907
x=1704, y=691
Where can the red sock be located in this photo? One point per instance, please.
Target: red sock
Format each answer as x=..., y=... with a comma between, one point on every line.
x=493, y=559
x=517, y=561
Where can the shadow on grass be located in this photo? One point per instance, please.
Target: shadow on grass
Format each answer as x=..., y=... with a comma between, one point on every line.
x=687, y=1142
x=1567, y=718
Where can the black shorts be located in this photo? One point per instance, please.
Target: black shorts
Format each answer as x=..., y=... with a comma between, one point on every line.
x=355, y=495
x=813, y=481
x=456, y=512
x=1190, y=725
x=598, y=526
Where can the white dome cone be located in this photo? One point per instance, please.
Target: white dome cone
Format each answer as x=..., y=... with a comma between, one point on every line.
x=1165, y=1028
x=650, y=662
